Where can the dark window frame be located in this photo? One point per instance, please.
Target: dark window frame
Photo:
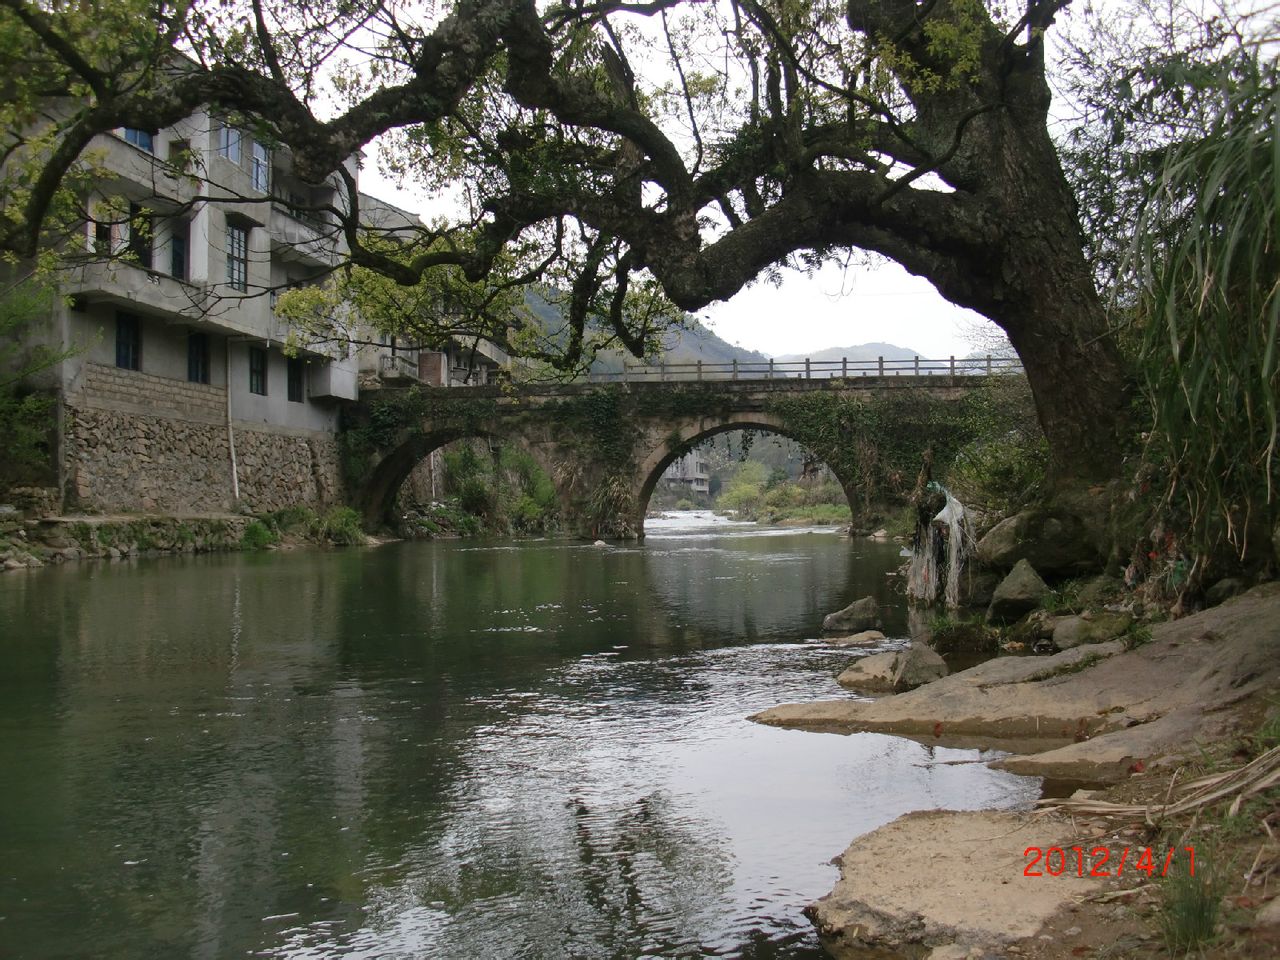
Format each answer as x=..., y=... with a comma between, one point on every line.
x=128, y=341
x=179, y=249
x=198, y=354
x=141, y=235
x=258, y=371
x=296, y=369
x=230, y=143
x=260, y=166
x=103, y=238
x=238, y=257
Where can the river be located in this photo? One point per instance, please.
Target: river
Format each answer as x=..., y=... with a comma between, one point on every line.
x=455, y=750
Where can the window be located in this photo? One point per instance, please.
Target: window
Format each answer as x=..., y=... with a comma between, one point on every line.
x=140, y=235
x=260, y=167
x=102, y=238
x=229, y=143
x=140, y=138
x=198, y=357
x=180, y=233
x=296, y=371
x=181, y=159
x=128, y=342
x=258, y=371
x=238, y=257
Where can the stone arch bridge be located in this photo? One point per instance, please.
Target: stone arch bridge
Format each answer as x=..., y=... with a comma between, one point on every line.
x=604, y=445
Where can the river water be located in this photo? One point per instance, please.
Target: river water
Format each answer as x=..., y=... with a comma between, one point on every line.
x=443, y=749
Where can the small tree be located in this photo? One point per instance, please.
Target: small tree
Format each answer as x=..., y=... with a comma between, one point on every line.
x=26, y=412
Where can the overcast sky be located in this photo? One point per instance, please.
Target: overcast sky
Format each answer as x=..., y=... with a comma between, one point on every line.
x=842, y=308
x=834, y=308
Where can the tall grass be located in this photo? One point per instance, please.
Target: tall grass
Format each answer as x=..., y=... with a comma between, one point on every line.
x=1189, y=910
x=1207, y=262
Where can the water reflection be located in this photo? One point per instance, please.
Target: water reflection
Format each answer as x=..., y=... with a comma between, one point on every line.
x=439, y=749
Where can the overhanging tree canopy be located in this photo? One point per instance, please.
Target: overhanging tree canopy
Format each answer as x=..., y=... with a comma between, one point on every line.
x=609, y=144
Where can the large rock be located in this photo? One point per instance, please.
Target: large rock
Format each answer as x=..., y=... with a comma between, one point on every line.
x=1091, y=713
x=977, y=586
x=1224, y=590
x=862, y=614
x=1098, y=591
x=1019, y=593
x=937, y=878
x=1055, y=542
x=917, y=665
x=896, y=671
x=873, y=674
x=1071, y=632
x=864, y=638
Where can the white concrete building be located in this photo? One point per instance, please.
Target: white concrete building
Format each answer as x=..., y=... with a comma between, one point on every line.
x=181, y=396
x=392, y=360
x=691, y=472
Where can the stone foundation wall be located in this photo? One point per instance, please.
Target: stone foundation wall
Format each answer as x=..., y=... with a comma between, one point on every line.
x=134, y=442
x=117, y=460
x=279, y=469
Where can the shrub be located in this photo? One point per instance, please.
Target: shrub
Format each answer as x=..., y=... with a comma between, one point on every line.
x=1000, y=475
x=258, y=536
x=952, y=634
x=339, y=525
x=289, y=519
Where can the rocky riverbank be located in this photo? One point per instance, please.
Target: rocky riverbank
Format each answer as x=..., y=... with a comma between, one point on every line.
x=1120, y=713
x=30, y=543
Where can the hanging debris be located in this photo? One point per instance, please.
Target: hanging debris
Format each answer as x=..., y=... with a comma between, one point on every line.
x=943, y=541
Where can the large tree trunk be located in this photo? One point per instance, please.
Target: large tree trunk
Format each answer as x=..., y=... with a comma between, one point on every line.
x=1037, y=285
x=1079, y=384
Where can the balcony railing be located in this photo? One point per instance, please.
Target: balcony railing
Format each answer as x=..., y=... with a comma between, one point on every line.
x=395, y=367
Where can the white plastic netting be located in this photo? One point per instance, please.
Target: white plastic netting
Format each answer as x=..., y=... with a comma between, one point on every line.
x=939, y=553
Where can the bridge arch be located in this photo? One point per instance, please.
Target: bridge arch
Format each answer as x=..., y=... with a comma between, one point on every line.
x=687, y=434
x=376, y=494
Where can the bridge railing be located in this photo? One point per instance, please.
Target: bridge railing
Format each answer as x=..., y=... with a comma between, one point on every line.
x=811, y=369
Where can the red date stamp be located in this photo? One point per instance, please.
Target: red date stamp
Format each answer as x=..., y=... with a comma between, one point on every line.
x=1100, y=861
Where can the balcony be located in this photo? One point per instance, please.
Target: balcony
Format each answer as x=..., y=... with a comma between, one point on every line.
x=142, y=174
x=129, y=285
x=335, y=380
x=395, y=368
x=305, y=235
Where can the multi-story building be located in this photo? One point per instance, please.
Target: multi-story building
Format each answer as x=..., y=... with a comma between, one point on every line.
x=691, y=472
x=185, y=392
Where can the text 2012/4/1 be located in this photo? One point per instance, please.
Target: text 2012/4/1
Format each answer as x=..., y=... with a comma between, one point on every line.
x=1094, y=863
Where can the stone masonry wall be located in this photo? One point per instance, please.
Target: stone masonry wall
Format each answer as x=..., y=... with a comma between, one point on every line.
x=135, y=442
x=279, y=469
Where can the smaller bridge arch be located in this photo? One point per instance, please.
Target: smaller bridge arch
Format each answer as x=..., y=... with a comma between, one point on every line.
x=376, y=493
x=694, y=431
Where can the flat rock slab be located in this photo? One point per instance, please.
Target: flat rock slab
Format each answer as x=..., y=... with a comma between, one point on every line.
x=938, y=878
x=1112, y=707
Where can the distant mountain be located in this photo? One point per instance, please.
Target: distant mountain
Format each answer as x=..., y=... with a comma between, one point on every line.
x=861, y=352
x=689, y=345
x=695, y=342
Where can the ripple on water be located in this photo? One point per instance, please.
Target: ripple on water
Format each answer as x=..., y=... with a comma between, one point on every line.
x=629, y=809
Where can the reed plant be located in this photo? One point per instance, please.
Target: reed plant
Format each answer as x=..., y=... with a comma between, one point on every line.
x=1206, y=261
